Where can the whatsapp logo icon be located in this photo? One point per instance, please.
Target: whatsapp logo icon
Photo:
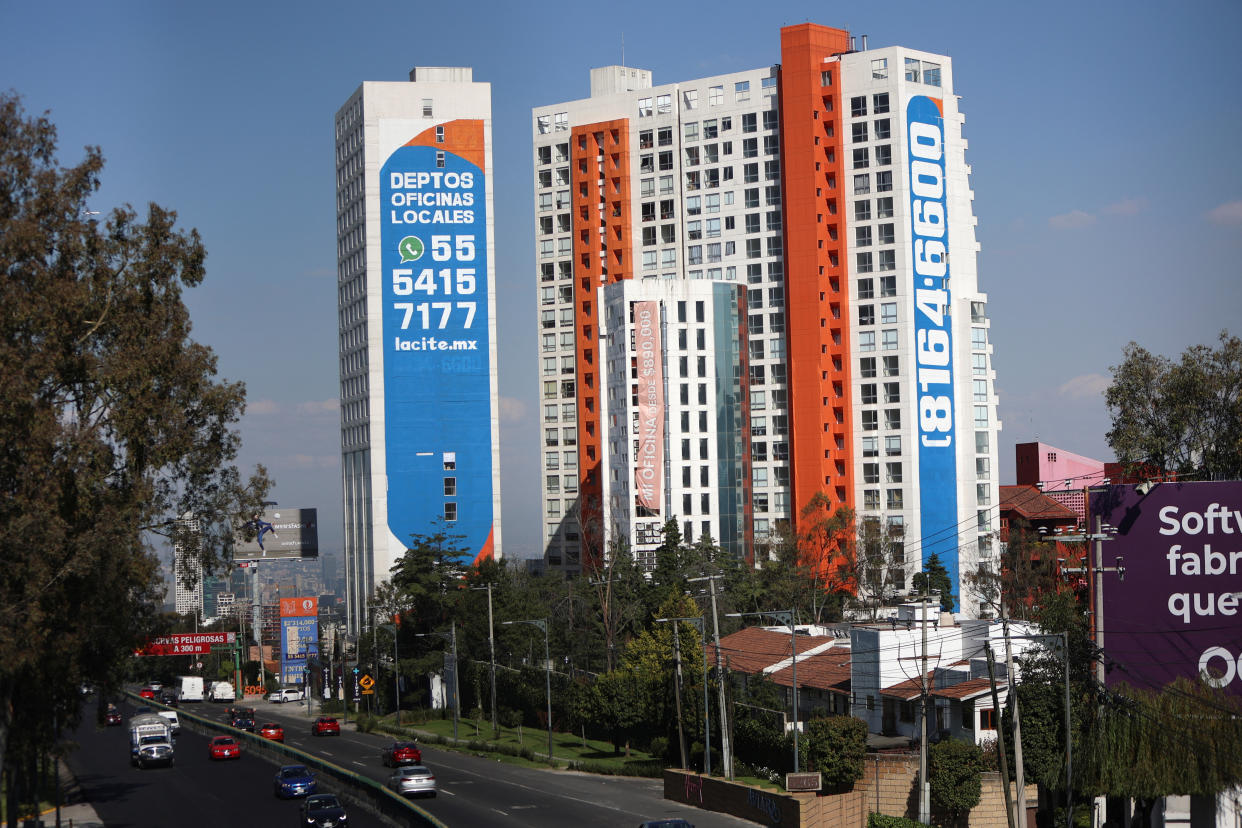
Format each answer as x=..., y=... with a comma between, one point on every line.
x=411, y=249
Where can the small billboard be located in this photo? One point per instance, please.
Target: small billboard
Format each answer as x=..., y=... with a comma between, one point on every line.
x=278, y=533
x=1172, y=595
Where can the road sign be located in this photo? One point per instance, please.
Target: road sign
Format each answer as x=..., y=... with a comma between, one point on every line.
x=367, y=683
x=185, y=643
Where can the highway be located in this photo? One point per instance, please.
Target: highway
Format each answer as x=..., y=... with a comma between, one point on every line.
x=474, y=791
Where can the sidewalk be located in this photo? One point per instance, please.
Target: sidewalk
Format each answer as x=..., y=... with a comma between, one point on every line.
x=74, y=813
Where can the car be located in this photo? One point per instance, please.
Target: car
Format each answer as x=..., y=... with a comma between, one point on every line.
x=173, y=722
x=294, y=780
x=167, y=697
x=243, y=723
x=323, y=811
x=112, y=717
x=286, y=695
x=273, y=731
x=147, y=693
x=672, y=822
x=325, y=726
x=401, y=753
x=413, y=780
x=223, y=747
x=157, y=686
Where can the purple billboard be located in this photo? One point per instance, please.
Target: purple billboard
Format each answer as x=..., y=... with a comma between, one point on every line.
x=1174, y=610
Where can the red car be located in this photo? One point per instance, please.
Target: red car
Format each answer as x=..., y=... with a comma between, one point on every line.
x=272, y=731
x=401, y=753
x=112, y=717
x=325, y=726
x=224, y=747
x=147, y=693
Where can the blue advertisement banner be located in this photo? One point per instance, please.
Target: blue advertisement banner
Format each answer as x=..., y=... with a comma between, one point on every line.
x=436, y=342
x=933, y=335
x=299, y=640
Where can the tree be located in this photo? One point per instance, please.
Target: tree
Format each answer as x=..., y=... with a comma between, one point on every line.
x=836, y=747
x=953, y=769
x=427, y=575
x=1028, y=571
x=827, y=554
x=112, y=423
x=1182, y=418
x=935, y=578
x=878, y=558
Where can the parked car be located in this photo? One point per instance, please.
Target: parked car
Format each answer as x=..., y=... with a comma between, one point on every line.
x=294, y=780
x=323, y=811
x=224, y=747
x=413, y=780
x=273, y=731
x=401, y=753
x=285, y=695
x=325, y=726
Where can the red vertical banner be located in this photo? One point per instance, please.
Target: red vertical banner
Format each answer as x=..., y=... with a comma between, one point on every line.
x=649, y=465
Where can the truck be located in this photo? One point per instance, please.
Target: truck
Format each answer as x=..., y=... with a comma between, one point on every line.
x=150, y=740
x=189, y=688
x=221, y=691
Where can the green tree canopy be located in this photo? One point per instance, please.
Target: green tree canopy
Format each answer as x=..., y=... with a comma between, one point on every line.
x=935, y=578
x=1180, y=417
x=112, y=423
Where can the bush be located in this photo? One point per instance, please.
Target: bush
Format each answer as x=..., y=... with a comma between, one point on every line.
x=836, y=747
x=659, y=747
x=885, y=821
x=367, y=723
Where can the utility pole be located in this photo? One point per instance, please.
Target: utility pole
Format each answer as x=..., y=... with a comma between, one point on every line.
x=788, y=617
x=1000, y=736
x=681, y=730
x=725, y=742
x=1018, y=770
x=924, y=784
x=491, y=646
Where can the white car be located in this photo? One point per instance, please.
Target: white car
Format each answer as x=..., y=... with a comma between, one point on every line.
x=286, y=695
x=173, y=722
x=413, y=780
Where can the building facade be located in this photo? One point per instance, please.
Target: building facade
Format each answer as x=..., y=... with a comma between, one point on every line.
x=417, y=327
x=832, y=187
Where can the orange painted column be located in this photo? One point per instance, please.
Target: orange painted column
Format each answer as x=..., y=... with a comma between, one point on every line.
x=816, y=268
x=600, y=176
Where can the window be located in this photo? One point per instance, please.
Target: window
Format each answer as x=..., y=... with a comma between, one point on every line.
x=690, y=98
x=981, y=442
x=450, y=510
x=866, y=314
x=889, y=340
x=871, y=499
x=644, y=107
x=858, y=106
x=666, y=160
x=440, y=158
x=871, y=446
x=769, y=119
x=859, y=132
x=884, y=181
x=884, y=155
x=871, y=473
x=895, y=500
x=644, y=139
x=750, y=122
x=439, y=135
x=868, y=394
x=892, y=419
x=884, y=207
x=715, y=95
x=879, y=103
x=427, y=108
x=664, y=104
x=741, y=91
x=888, y=285
x=691, y=131
x=912, y=70
x=870, y=420
x=879, y=69
x=978, y=339
x=883, y=131
x=862, y=158
x=891, y=365
x=886, y=260
x=892, y=445
x=981, y=416
x=892, y=392
x=888, y=313
x=544, y=124
x=771, y=145
x=931, y=73
x=866, y=341
x=693, y=206
x=892, y=472
x=866, y=367
x=862, y=236
x=979, y=364
x=862, y=184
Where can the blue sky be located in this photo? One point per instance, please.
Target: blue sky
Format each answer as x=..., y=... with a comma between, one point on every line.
x=1103, y=139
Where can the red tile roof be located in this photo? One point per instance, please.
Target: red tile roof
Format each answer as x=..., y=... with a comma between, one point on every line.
x=1032, y=504
x=752, y=649
x=969, y=689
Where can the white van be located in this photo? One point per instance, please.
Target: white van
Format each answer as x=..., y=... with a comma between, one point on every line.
x=221, y=691
x=190, y=688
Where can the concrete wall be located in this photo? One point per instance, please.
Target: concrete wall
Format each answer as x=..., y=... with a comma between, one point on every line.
x=888, y=787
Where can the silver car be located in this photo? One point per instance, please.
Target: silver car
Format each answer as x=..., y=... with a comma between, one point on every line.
x=413, y=780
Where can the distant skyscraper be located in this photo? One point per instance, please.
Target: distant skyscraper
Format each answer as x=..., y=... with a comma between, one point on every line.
x=832, y=188
x=187, y=564
x=416, y=301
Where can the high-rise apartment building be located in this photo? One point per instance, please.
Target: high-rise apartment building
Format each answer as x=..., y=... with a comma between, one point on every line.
x=416, y=306
x=831, y=187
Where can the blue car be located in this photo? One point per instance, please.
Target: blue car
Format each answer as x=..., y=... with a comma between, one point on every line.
x=294, y=780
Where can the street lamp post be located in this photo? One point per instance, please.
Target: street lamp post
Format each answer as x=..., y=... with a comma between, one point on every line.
x=396, y=671
x=491, y=646
x=707, y=725
x=542, y=624
x=451, y=637
x=786, y=617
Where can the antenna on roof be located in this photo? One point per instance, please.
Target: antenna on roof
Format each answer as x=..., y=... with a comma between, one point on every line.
x=623, y=48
